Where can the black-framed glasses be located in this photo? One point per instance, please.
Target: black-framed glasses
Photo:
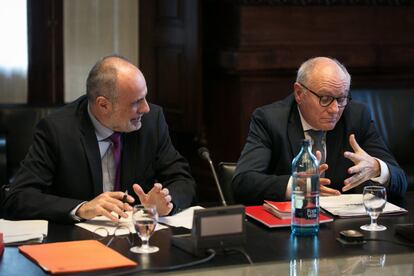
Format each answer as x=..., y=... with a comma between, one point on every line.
x=327, y=100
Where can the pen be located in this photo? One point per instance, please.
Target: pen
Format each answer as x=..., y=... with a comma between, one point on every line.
x=124, y=200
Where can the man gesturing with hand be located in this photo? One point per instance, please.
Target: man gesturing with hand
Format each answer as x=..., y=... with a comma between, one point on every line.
x=320, y=109
x=366, y=167
x=86, y=154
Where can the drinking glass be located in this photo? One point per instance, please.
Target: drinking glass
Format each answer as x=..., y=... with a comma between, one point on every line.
x=374, y=198
x=144, y=219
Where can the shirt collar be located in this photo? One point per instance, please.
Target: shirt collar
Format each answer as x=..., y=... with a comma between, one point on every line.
x=101, y=131
x=305, y=125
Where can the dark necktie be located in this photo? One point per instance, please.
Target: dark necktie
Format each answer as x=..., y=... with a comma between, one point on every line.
x=116, y=151
x=318, y=143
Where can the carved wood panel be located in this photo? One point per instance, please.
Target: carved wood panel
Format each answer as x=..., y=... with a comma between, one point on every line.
x=170, y=60
x=253, y=49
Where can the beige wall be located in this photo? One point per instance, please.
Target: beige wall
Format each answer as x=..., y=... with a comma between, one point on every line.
x=93, y=29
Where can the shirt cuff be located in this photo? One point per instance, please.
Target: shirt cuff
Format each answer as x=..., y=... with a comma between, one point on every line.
x=73, y=212
x=289, y=189
x=384, y=177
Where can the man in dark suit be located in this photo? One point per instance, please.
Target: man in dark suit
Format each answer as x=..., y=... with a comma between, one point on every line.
x=320, y=102
x=72, y=170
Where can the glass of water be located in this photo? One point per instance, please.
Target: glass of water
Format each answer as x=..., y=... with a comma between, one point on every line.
x=144, y=219
x=374, y=198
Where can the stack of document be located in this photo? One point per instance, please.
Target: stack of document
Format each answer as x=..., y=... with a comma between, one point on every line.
x=281, y=209
x=182, y=219
x=123, y=227
x=23, y=231
x=351, y=205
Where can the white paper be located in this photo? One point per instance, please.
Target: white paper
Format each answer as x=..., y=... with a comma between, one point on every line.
x=21, y=231
x=351, y=205
x=103, y=222
x=182, y=219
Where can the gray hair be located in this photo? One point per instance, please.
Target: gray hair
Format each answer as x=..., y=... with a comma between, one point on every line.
x=308, y=66
x=102, y=78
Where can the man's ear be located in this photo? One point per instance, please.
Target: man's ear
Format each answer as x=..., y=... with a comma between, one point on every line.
x=298, y=92
x=103, y=104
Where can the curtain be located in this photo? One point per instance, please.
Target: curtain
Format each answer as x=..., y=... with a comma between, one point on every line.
x=93, y=29
x=13, y=51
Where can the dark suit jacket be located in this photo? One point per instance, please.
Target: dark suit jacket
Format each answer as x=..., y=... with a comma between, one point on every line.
x=274, y=139
x=63, y=166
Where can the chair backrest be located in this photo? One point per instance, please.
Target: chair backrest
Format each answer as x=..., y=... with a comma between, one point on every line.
x=225, y=175
x=17, y=125
x=3, y=159
x=393, y=112
x=3, y=171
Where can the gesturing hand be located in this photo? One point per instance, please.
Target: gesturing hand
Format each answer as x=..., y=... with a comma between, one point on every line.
x=158, y=196
x=325, y=191
x=104, y=204
x=366, y=166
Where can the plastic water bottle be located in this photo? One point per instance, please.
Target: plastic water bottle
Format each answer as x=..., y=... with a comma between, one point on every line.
x=305, y=192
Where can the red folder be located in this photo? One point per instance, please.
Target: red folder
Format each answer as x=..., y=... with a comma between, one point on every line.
x=75, y=256
x=260, y=214
x=1, y=244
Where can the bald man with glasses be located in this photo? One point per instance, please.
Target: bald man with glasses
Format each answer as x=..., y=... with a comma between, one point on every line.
x=352, y=154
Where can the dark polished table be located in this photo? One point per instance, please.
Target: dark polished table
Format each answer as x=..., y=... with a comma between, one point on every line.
x=265, y=246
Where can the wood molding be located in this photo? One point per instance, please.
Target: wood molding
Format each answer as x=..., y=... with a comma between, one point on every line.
x=324, y=2
x=45, y=36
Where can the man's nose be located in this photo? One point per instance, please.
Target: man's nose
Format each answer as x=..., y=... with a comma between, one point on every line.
x=334, y=107
x=144, y=108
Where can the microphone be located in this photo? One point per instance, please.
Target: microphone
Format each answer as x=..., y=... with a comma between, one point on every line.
x=204, y=153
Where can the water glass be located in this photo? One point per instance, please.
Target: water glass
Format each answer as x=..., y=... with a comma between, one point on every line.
x=144, y=219
x=374, y=198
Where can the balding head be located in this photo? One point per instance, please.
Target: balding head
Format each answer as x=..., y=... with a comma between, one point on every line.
x=102, y=79
x=320, y=78
x=317, y=67
x=116, y=91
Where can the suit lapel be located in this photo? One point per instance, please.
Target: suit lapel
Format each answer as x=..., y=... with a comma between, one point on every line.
x=295, y=131
x=91, y=147
x=334, y=141
x=129, y=154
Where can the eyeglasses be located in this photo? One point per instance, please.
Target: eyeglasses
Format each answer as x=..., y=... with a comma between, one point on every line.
x=327, y=100
x=121, y=232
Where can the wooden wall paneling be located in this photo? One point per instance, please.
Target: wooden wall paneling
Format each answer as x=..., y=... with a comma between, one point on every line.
x=362, y=37
x=45, y=37
x=231, y=101
x=267, y=42
x=170, y=60
x=169, y=84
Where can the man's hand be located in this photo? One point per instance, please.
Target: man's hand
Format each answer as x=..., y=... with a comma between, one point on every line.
x=104, y=204
x=158, y=196
x=366, y=166
x=325, y=191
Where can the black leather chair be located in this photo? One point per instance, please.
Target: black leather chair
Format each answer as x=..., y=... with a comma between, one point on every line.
x=393, y=112
x=3, y=173
x=3, y=159
x=17, y=124
x=225, y=176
